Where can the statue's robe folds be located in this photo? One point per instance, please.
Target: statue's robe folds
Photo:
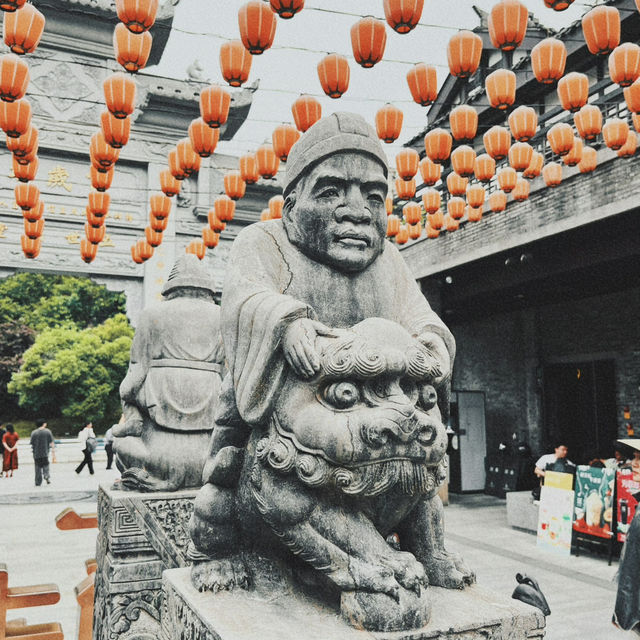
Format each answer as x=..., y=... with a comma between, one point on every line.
x=270, y=283
x=175, y=370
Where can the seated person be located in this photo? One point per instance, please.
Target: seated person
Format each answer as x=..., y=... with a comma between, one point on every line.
x=556, y=461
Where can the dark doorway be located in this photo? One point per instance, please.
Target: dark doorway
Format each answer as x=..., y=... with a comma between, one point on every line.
x=580, y=408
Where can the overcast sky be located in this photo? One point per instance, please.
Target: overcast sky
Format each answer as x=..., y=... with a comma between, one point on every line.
x=289, y=67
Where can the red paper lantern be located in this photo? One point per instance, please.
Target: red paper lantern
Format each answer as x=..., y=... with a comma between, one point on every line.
x=368, y=40
x=154, y=238
x=27, y=195
x=11, y=5
x=33, y=229
x=23, y=29
x=474, y=214
x=437, y=144
x=615, y=133
x=267, y=161
x=497, y=142
x=589, y=160
x=215, y=224
x=99, y=202
x=463, y=121
x=388, y=205
x=431, y=200
x=286, y=8
x=451, y=224
x=224, y=208
x=573, y=91
x=507, y=179
x=276, y=204
x=498, y=201
x=628, y=149
x=430, y=171
x=283, y=138
x=558, y=5
x=197, y=248
x=523, y=123
x=457, y=185
x=257, y=26
x=131, y=49
x=560, y=138
x=25, y=145
x=203, y=138
x=214, y=105
x=405, y=189
x=249, y=168
x=135, y=254
x=265, y=215
x=25, y=172
x=188, y=160
x=601, y=29
x=210, y=237
x=388, y=123
x=415, y=230
x=333, y=72
x=412, y=212
x=501, y=87
x=435, y=220
x=432, y=233
x=552, y=174
x=475, y=195
x=93, y=219
x=464, y=51
x=235, y=63
x=624, y=64
x=402, y=237
x=455, y=208
x=462, y=160
x=145, y=250
x=101, y=180
x=168, y=184
x=588, y=121
x=159, y=205
x=14, y=77
x=30, y=246
x=116, y=131
x=234, y=185
x=635, y=117
x=423, y=83
x=95, y=235
x=158, y=224
x=508, y=24
x=403, y=15
x=521, y=190
x=407, y=162
x=548, y=60
x=484, y=167
x=535, y=166
x=120, y=94
x=15, y=117
x=520, y=155
x=35, y=213
x=137, y=15
x=306, y=111
x=632, y=97
x=574, y=156
x=103, y=156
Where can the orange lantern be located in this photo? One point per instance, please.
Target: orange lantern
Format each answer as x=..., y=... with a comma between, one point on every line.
x=203, y=138
x=95, y=235
x=235, y=62
x=497, y=142
x=101, y=180
x=475, y=195
x=415, y=230
x=145, y=250
x=257, y=26
x=234, y=185
x=137, y=15
x=30, y=246
x=455, y=208
x=210, y=237
x=99, y=202
x=388, y=123
x=158, y=224
x=423, y=83
x=283, y=138
x=131, y=49
x=286, y=8
x=333, y=72
x=93, y=219
x=25, y=145
x=464, y=123
x=174, y=166
x=267, y=161
x=22, y=29
x=573, y=91
x=14, y=77
x=403, y=235
x=548, y=60
x=135, y=254
x=188, y=160
x=520, y=155
x=215, y=224
x=224, y=208
x=628, y=149
x=464, y=51
x=615, y=133
x=498, y=201
x=154, y=238
x=457, y=185
x=552, y=174
x=25, y=172
x=523, y=123
x=635, y=117
x=15, y=117
x=507, y=179
x=501, y=87
x=601, y=29
x=34, y=214
x=560, y=138
x=451, y=224
x=306, y=111
x=388, y=205
x=403, y=15
x=407, y=162
x=368, y=40
x=33, y=229
x=508, y=24
x=435, y=220
x=432, y=233
x=430, y=171
x=632, y=97
x=405, y=189
x=11, y=5
x=437, y=144
x=558, y=5
x=120, y=94
x=574, y=156
x=588, y=122
x=214, y=105
x=27, y=195
x=197, y=248
x=484, y=167
x=589, y=160
x=535, y=166
x=168, y=184
x=276, y=204
x=412, y=212
x=462, y=160
x=116, y=131
x=264, y=215
x=521, y=190
x=474, y=214
x=159, y=205
x=393, y=226
x=624, y=64
x=249, y=168
x=431, y=200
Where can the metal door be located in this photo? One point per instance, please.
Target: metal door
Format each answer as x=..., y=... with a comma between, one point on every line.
x=472, y=440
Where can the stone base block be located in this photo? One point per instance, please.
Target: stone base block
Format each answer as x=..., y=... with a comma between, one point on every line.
x=522, y=512
x=472, y=614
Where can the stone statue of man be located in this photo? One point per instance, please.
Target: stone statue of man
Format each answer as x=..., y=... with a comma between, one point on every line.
x=171, y=389
x=316, y=307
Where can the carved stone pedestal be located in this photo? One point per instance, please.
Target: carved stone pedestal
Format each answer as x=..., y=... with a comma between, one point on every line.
x=472, y=614
x=141, y=535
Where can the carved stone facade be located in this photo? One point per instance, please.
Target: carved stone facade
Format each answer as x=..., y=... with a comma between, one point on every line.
x=140, y=535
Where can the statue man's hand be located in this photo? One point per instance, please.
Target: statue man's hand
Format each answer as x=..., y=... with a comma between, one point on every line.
x=437, y=348
x=299, y=348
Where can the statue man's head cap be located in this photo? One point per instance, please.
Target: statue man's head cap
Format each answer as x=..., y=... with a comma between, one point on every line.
x=188, y=271
x=339, y=132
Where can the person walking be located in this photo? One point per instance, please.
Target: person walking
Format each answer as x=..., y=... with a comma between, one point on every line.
x=10, y=451
x=108, y=445
x=88, y=442
x=41, y=441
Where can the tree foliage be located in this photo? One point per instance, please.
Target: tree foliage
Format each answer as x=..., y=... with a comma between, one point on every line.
x=15, y=339
x=75, y=372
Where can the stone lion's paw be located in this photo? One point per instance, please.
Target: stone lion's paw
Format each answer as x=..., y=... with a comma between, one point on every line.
x=448, y=571
x=407, y=570
x=220, y=575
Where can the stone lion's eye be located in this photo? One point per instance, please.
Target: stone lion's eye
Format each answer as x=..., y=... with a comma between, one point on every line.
x=428, y=397
x=342, y=395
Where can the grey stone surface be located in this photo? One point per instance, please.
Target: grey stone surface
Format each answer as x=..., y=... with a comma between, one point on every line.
x=329, y=435
x=269, y=613
x=140, y=535
x=171, y=388
x=522, y=511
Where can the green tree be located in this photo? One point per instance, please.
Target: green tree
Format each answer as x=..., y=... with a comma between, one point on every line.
x=75, y=372
x=15, y=339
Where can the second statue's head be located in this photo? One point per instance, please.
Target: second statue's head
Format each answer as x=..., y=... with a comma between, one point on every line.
x=335, y=190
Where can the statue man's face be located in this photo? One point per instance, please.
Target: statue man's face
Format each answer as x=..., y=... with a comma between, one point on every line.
x=336, y=213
